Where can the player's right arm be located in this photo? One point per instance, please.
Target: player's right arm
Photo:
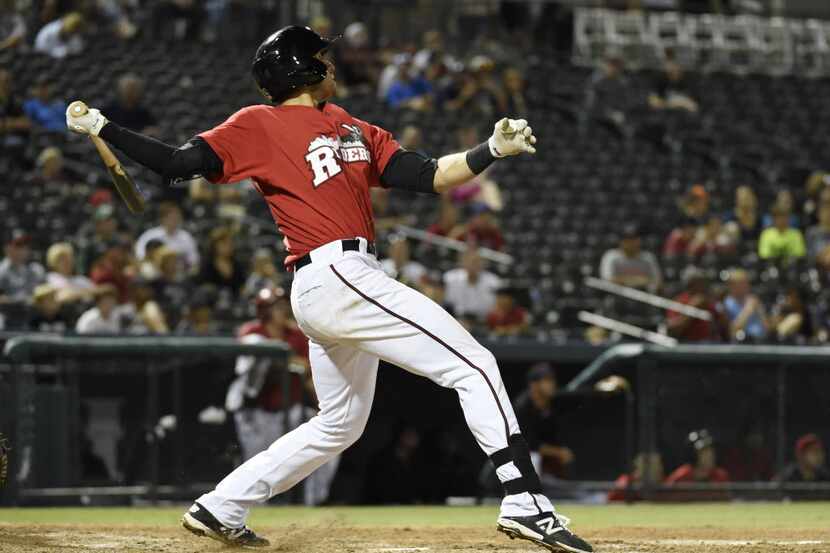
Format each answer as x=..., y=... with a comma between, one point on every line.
x=219, y=154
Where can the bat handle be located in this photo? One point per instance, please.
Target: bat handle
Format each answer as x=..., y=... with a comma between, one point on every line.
x=78, y=108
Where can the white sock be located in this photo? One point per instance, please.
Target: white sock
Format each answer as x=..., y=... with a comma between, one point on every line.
x=524, y=505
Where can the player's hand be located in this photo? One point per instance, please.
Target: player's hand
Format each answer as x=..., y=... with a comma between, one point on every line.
x=84, y=121
x=511, y=137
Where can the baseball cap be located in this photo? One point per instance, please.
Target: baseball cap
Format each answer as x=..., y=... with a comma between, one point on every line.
x=805, y=442
x=19, y=238
x=630, y=230
x=540, y=371
x=698, y=191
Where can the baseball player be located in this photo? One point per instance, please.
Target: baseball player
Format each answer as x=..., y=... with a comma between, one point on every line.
x=314, y=164
x=257, y=398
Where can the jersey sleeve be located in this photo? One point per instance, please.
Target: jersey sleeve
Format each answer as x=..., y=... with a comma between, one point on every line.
x=241, y=145
x=381, y=144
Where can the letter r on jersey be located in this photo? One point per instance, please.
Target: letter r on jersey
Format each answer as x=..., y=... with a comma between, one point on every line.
x=323, y=161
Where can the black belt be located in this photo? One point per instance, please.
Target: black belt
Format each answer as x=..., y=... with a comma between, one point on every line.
x=350, y=245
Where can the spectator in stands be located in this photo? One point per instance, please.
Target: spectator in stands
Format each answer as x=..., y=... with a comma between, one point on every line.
x=647, y=467
x=628, y=265
x=62, y=37
x=783, y=202
x=678, y=241
x=534, y=411
x=818, y=236
x=750, y=460
x=781, y=241
x=14, y=124
x=434, y=48
x=105, y=317
x=143, y=314
x=18, y=275
x=12, y=26
x=128, y=108
x=93, y=238
x=470, y=290
x=198, y=316
x=51, y=172
x=71, y=287
x=743, y=223
x=697, y=294
x=387, y=215
x=746, y=314
x=817, y=182
x=481, y=230
x=695, y=202
x=170, y=232
x=711, y=239
x=43, y=109
x=178, y=19
x=514, y=93
x=790, y=320
x=671, y=90
x=411, y=139
x=478, y=93
x=809, y=465
x=48, y=314
x=356, y=60
x=113, y=267
x=221, y=268
x=608, y=92
x=703, y=466
x=399, y=264
x=172, y=289
x=263, y=275
x=447, y=218
x=409, y=89
x=507, y=318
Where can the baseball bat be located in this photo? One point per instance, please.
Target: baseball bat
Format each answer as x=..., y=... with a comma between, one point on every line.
x=128, y=190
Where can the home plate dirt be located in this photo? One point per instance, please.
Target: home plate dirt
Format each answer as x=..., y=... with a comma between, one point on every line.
x=20, y=538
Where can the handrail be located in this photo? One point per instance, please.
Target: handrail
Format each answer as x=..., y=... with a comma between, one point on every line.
x=626, y=328
x=760, y=356
x=452, y=244
x=645, y=297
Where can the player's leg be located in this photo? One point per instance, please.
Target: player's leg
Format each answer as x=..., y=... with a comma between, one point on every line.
x=344, y=380
x=398, y=324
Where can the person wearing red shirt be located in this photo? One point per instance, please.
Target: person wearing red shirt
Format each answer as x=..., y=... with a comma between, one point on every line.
x=703, y=469
x=648, y=465
x=678, y=241
x=256, y=397
x=506, y=318
x=314, y=164
x=690, y=329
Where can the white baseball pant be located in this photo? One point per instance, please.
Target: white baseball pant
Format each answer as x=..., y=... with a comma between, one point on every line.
x=354, y=315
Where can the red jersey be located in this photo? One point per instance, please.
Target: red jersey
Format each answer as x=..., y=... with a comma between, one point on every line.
x=271, y=396
x=686, y=473
x=313, y=166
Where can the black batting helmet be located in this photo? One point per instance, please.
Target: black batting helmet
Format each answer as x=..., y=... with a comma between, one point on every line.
x=285, y=61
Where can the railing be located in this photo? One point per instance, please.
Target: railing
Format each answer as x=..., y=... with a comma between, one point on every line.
x=29, y=355
x=768, y=372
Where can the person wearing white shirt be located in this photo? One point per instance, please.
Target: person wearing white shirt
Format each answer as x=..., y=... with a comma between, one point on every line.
x=470, y=290
x=61, y=37
x=399, y=265
x=60, y=258
x=170, y=233
x=105, y=317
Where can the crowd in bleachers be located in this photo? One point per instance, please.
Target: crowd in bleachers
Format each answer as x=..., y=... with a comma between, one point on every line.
x=613, y=194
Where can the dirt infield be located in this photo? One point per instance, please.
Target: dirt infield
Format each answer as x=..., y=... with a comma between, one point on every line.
x=336, y=538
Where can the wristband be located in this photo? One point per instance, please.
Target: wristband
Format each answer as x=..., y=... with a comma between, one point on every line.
x=480, y=158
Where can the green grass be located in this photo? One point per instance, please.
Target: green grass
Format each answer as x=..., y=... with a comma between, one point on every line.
x=723, y=515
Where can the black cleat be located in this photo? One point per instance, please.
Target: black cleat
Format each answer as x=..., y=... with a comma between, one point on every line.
x=547, y=529
x=199, y=521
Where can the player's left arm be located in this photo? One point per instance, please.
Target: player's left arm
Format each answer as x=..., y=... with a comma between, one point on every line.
x=414, y=171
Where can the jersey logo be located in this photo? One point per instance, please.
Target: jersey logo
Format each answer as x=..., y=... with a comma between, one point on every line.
x=326, y=154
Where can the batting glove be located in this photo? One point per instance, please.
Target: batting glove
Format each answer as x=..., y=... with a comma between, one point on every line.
x=511, y=137
x=89, y=123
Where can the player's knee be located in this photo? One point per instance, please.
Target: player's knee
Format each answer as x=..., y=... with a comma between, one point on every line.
x=341, y=432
